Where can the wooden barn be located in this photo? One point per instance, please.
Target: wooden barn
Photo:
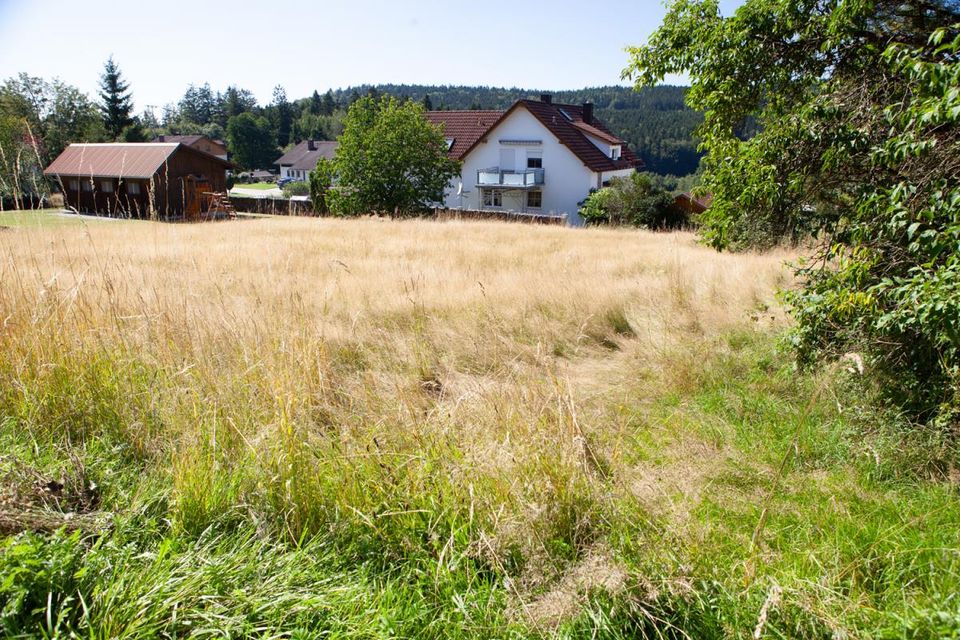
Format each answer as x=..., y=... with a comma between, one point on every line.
x=141, y=180
x=693, y=204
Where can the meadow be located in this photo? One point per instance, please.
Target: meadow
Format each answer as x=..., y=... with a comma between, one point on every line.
x=368, y=429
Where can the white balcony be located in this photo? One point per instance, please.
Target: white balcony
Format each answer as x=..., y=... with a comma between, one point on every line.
x=521, y=179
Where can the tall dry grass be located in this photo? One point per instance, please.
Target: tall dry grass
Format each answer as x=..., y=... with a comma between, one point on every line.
x=306, y=349
x=408, y=387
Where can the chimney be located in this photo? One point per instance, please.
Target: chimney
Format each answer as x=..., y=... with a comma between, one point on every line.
x=546, y=98
x=311, y=145
x=587, y=112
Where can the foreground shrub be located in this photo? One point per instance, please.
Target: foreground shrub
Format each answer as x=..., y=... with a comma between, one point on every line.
x=859, y=134
x=635, y=201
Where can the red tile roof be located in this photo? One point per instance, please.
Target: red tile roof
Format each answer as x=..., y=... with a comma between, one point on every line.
x=463, y=127
x=565, y=121
x=591, y=130
x=189, y=140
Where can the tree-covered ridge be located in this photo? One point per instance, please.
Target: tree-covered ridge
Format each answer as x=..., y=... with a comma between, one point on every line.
x=655, y=121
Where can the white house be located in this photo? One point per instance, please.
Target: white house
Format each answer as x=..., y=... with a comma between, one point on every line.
x=536, y=156
x=297, y=163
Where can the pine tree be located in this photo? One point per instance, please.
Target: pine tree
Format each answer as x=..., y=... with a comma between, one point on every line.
x=316, y=104
x=329, y=104
x=116, y=102
x=427, y=104
x=282, y=112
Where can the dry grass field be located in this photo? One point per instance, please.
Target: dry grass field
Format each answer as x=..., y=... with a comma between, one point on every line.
x=297, y=427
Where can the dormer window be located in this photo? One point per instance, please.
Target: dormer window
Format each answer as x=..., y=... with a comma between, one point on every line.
x=450, y=142
x=615, y=152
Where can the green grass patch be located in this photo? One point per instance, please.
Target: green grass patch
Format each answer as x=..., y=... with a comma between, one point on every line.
x=45, y=218
x=237, y=518
x=259, y=186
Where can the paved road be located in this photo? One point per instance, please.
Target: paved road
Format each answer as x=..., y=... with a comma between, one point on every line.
x=257, y=193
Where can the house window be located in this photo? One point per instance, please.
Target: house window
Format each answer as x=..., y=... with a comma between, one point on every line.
x=534, y=199
x=449, y=142
x=535, y=163
x=615, y=153
x=106, y=186
x=88, y=185
x=133, y=188
x=492, y=198
x=74, y=185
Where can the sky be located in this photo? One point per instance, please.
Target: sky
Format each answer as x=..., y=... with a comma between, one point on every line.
x=162, y=47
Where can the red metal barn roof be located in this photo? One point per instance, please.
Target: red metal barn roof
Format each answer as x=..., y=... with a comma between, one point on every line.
x=118, y=159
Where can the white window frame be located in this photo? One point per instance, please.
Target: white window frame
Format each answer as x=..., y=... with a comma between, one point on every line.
x=527, y=199
x=493, y=198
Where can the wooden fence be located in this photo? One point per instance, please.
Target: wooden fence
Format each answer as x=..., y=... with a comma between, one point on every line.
x=507, y=216
x=273, y=206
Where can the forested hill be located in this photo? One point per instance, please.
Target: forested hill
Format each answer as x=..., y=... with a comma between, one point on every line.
x=655, y=121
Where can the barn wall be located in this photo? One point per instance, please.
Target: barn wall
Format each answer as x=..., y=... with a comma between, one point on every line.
x=113, y=201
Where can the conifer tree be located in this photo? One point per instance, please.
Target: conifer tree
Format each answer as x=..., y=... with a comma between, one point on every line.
x=116, y=102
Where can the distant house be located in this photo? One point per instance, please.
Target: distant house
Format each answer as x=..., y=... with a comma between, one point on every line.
x=536, y=157
x=200, y=142
x=297, y=163
x=693, y=204
x=147, y=179
x=261, y=175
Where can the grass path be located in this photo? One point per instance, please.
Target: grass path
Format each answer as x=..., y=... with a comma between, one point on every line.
x=46, y=218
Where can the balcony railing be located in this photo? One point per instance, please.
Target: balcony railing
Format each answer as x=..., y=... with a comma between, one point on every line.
x=494, y=177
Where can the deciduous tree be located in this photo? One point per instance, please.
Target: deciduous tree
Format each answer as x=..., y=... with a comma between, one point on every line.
x=390, y=160
x=251, y=141
x=858, y=107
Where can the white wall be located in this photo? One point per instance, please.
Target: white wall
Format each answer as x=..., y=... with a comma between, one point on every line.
x=567, y=180
x=605, y=147
x=287, y=172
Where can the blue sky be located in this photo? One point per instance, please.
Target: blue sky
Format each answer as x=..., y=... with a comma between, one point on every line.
x=162, y=47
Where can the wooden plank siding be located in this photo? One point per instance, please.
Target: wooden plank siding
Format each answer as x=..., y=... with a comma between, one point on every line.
x=162, y=196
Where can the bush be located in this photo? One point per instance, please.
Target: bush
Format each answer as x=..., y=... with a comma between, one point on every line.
x=856, y=147
x=633, y=201
x=301, y=188
x=321, y=179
